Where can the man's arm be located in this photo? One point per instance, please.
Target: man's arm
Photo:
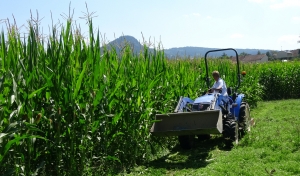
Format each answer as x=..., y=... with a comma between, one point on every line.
x=220, y=85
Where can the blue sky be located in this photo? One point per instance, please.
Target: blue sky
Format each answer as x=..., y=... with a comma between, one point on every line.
x=255, y=24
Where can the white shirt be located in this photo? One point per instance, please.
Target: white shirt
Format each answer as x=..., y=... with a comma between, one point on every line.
x=221, y=84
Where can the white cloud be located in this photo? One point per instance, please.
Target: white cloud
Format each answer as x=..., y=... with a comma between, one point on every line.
x=209, y=17
x=288, y=39
x=286, y=3
x=196, y=14
x=192, y=15
x=256, y=1
x=262, y=1
x=237, y=35
x=296, y=19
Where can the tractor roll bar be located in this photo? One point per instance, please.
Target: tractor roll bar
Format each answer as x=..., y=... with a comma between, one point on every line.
x=238, y=66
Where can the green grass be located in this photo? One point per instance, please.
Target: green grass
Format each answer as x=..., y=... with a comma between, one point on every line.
x=272, y=145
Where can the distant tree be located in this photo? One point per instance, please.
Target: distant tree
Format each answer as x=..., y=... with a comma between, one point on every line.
x=224, y=56
x=271, y=55
x=271, y=58
x=244, y=54
x=258, y=52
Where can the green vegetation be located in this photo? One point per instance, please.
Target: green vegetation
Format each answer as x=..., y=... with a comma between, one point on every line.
x=72, y=107
x=271, y=148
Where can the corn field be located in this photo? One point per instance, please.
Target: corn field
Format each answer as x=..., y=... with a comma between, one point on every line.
x=72, y=107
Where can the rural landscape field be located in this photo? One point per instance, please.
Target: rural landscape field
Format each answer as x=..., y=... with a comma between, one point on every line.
x=271, y=148
x=69, y=106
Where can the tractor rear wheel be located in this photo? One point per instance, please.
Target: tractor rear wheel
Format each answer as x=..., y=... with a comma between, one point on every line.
x=244, y=118
x=186, y=141
x=230, y=132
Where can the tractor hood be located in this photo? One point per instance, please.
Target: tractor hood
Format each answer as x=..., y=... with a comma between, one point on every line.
x=205, y=99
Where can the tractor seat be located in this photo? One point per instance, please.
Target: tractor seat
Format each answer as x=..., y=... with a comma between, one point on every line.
x=229, y=91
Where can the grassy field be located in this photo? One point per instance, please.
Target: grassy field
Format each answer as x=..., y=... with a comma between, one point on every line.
x=271, y=148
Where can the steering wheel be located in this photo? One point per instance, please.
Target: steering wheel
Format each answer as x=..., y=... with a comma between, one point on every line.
x=220, y=90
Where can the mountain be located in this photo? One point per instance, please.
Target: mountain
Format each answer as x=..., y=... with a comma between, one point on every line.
x=121, y=42
x=200, y=52
x=180, y=52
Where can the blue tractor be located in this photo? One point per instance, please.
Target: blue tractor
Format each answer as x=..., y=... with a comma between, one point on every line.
x=207, y=114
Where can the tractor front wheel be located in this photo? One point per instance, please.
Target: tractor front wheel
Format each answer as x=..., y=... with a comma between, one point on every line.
x=186, y=141
x=203, y=137
x=230, y=132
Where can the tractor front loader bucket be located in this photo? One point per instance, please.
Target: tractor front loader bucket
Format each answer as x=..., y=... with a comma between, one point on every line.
x=188, y=123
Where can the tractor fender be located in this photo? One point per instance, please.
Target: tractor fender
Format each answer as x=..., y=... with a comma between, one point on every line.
x=238, y=101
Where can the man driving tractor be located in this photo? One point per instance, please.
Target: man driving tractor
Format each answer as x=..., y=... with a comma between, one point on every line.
x=219, y=85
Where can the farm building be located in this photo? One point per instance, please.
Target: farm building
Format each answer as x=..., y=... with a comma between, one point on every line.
x=287, y=55
x=295, y=53
x=252, y=58
x=284, y=55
